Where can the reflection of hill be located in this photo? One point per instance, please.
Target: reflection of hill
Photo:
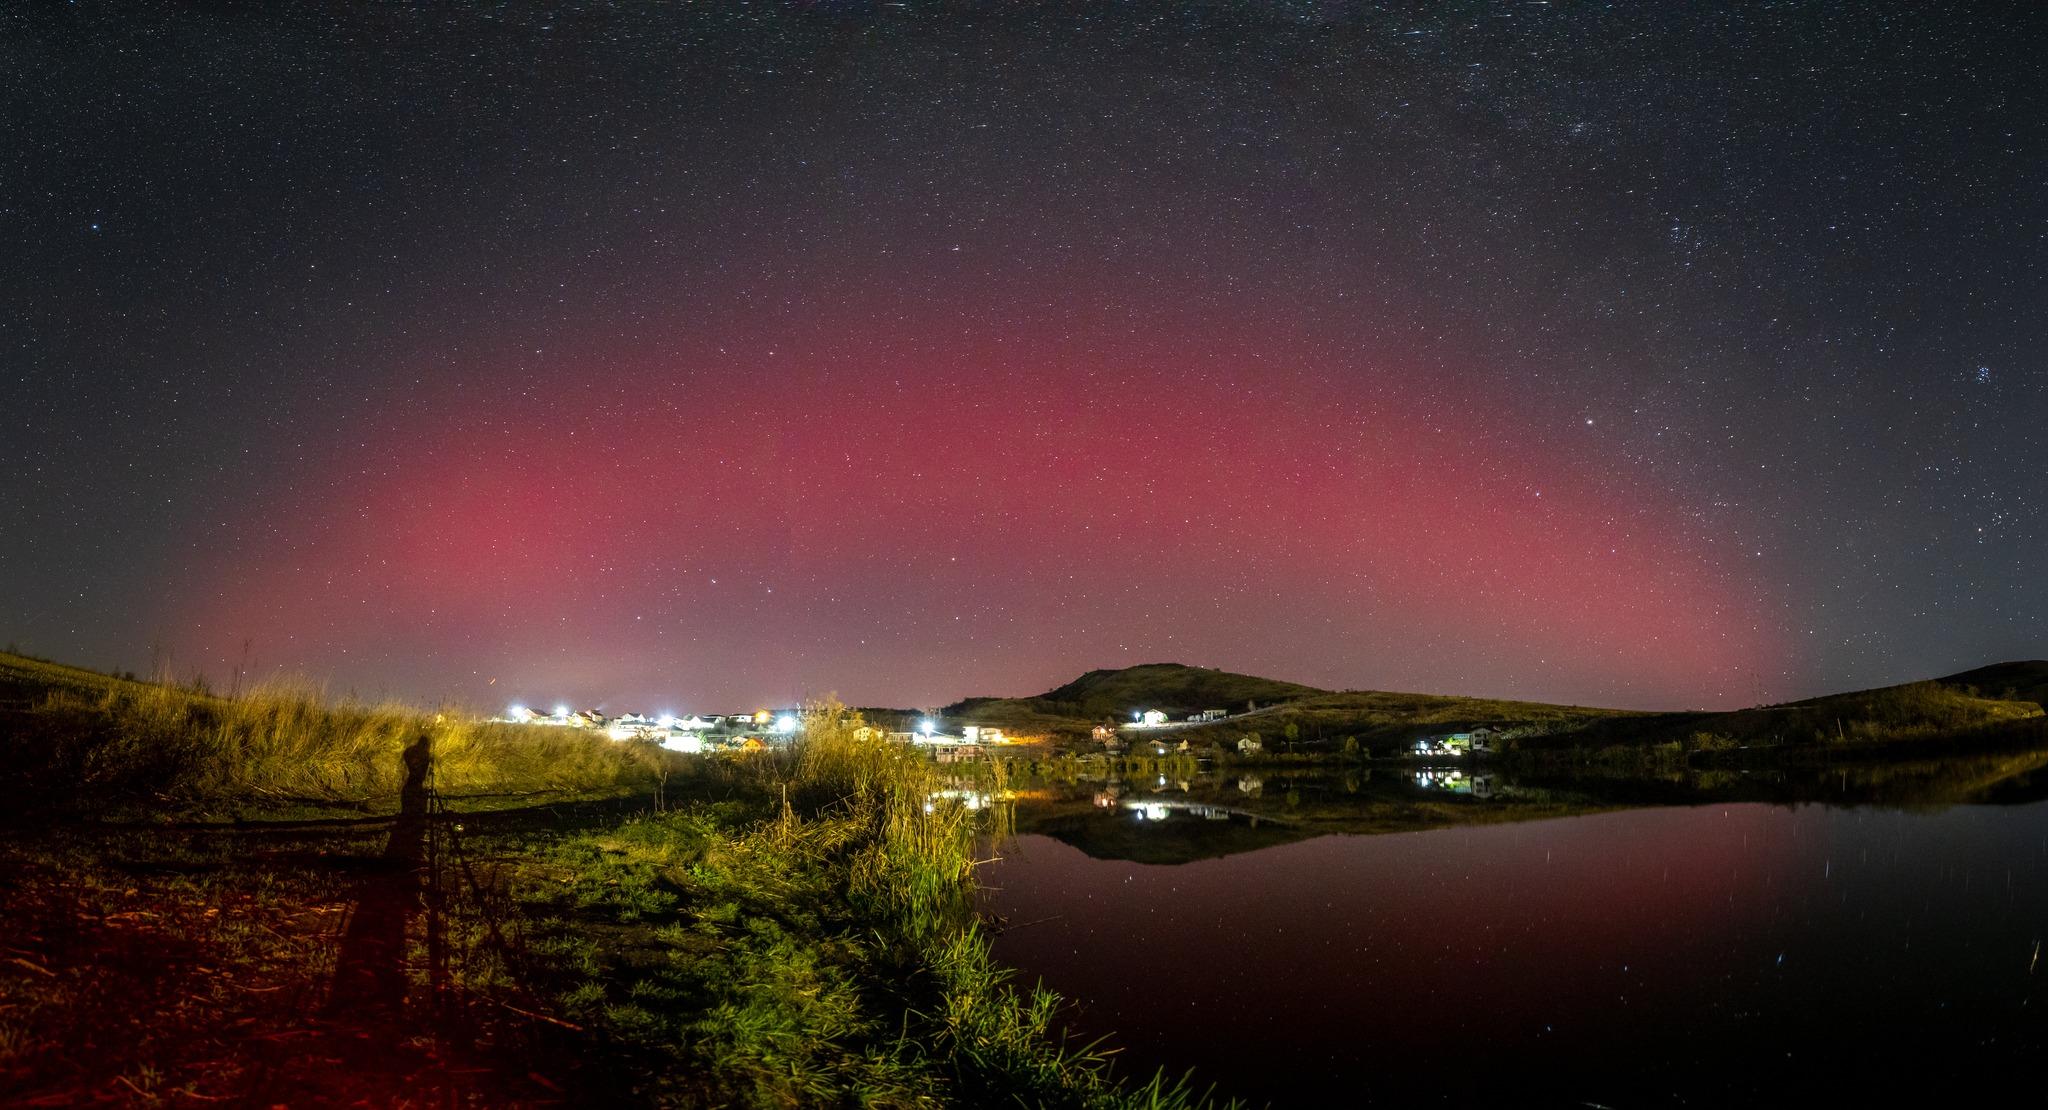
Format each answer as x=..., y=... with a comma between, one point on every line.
x=1212, y=818
x=1117, y=834
x=1287, y=809
x=1995, y=777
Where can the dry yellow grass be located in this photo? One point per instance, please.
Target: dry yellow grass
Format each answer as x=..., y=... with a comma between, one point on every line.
x=99, y=739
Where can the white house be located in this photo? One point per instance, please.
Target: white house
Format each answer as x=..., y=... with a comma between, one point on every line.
x=1249, y=745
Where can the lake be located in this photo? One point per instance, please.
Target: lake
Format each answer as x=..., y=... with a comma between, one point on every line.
x=1554, y=943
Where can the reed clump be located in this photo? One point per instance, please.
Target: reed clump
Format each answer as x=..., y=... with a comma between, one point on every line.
x=810, y=938
x=117, y=744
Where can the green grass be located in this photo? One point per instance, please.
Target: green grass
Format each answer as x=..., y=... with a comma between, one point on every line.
x=809, y=938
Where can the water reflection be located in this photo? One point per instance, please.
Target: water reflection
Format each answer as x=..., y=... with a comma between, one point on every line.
x=1548, y=940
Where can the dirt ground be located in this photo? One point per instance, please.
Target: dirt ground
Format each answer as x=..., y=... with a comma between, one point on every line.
x=320, y=963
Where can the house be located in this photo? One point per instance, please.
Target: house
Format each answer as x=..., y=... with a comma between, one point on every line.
x=1450, y=744
x=1151, y=718
x=1211, y=715
x=982, y=734
x=1249, y=745
x=1103, y=734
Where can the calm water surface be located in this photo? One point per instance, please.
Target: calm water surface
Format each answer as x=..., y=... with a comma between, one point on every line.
x=1719, y=954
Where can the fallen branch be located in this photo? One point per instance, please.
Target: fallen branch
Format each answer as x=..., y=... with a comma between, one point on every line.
x=569, y=1025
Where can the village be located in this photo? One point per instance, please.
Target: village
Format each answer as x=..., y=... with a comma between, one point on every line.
x=764, y=728
x=745, y=732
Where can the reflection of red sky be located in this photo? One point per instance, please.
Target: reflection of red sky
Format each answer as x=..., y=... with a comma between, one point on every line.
x=1601, y=929
x=1066, y=502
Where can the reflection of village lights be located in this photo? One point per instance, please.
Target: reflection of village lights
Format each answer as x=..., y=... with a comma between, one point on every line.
x=785, y=724
x=1156, y=812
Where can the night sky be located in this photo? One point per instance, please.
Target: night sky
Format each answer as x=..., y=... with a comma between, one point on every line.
x=1657, y=355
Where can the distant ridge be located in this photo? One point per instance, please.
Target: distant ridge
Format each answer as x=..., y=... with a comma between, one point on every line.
x=2021, y=680
x=1178, y=690
x=1988, y=697
x=1175, y=689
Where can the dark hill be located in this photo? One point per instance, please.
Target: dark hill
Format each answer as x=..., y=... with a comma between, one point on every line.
x=2020, y=680
x=1374, y=719
x=2001, y=700
x=1174, y=688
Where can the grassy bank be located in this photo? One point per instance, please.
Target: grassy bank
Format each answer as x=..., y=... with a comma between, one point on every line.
x=90, y=744
x=808, y=938
x=782, y=929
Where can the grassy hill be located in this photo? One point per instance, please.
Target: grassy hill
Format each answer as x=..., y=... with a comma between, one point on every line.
x=2001, y=698
x=1378, y=719
x=1112, y=695
x=1383, y=721
x=2020, y=680
x=1959, y=705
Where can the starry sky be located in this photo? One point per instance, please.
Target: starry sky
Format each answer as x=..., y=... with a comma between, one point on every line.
x=1651, y=355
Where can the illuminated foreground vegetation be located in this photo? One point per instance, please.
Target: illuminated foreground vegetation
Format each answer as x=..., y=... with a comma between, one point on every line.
x=809, y=950
x=513, y=920
x=97, y=745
